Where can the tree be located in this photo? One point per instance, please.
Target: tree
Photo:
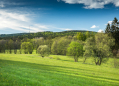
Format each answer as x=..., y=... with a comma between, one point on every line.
x=99, y=47
x=88, y=47
x=10, y=45
x=59, y=46
x=15, y=47
x=37, y=42
x=30, y=48
x=63, y=45
x=27, y=47
x=113, y=31
x=87, y=34
x=75, y=49
x=24, y=47
x=2, y=46
x=54, y=49
x=43, y=50
x=81, y=36
x=108, y=29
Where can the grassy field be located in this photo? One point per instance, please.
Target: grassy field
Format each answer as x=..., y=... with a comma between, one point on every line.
x=33, y=70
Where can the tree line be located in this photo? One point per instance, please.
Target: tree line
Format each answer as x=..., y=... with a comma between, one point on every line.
x=45, y=35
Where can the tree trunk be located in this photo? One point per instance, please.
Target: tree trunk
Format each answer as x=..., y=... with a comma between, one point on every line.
x=97, y=62
x=100, y=61
x=75, y=59
x=84, y=60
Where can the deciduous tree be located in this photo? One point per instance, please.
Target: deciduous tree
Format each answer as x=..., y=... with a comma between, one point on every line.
x=27, y=47
x=75, y=49
x=99, y=47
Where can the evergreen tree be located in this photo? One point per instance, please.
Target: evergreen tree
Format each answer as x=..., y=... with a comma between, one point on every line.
x=108, y=29
x=114, y=32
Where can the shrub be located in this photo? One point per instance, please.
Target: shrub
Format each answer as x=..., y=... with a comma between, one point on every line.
x=43, y=50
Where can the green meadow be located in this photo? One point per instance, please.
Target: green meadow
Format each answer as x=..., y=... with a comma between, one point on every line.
x=55, y=70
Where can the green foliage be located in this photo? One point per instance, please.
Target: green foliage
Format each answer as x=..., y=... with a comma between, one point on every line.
x=37, y=42
x=88, y=47
x=114, y=32
x=2, y=46
x=45, y=35
x=99, y=47
x=63, y=45
x=81, y=36
x=43, y=50
x=75, y=49
x=27, y=47
x=59, y=46
x=87, y=34
x=108, y=29
x=54, y=48
x=10, y=45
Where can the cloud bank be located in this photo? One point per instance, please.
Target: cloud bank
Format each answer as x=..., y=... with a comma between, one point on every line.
x=19, y=22
x=89, y=4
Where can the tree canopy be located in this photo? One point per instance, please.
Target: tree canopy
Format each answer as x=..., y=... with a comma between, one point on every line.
x=99, y=47
x=43, y=50
x=75, y=49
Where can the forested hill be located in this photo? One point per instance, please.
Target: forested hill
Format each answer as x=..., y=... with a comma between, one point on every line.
x=46, y=34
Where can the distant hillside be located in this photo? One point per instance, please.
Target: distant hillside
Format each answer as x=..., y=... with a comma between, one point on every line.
x=46, y=34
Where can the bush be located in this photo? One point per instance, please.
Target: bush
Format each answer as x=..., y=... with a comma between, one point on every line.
x=43, y=50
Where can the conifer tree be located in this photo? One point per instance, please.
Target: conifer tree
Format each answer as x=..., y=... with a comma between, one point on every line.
x=108, y=29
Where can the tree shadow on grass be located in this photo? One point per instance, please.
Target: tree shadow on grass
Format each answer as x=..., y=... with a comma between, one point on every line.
x=50, y=68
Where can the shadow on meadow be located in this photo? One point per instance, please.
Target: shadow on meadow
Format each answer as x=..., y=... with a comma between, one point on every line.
x=50, y=68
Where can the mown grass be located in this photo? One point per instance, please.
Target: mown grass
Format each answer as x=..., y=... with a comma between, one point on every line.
x=33, y=70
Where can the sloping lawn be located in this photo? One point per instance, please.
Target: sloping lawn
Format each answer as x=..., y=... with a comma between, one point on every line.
x=33, y=70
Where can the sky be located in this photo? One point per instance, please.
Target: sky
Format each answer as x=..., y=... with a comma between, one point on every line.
x=26, y=16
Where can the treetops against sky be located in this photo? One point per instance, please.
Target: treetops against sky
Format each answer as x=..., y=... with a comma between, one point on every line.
x=19, y=16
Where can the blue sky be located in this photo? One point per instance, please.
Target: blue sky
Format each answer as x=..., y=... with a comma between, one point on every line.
x=18, y=16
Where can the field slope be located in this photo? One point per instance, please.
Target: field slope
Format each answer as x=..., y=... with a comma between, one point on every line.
x=32, y=70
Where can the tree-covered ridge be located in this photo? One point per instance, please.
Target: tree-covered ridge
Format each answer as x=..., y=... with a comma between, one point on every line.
x=46, y=34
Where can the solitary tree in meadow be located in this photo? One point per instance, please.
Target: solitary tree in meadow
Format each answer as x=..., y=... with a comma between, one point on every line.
x=75, y=49
x=99, y=47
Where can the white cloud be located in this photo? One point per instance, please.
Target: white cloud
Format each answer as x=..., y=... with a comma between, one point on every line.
x=94, y=26
x=16, y=20
x=110, y=22
x=19, y=22
x=100, y=31
x=89, y=4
